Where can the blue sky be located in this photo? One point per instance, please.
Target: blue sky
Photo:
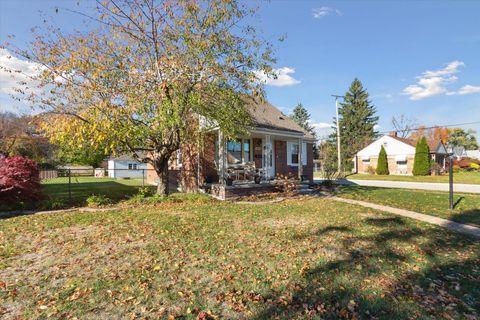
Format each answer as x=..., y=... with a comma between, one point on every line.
x=421, y=59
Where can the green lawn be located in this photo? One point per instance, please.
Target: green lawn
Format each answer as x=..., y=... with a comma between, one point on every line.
x=299, y=259
x=436, y=203
x=471, y=177
x=57, y=195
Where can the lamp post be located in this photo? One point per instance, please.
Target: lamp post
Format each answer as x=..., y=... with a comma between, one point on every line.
x=339, y=154
x=451, y=153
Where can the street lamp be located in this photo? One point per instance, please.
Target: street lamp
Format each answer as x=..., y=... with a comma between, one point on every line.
x=339, y=154
x=452, y=152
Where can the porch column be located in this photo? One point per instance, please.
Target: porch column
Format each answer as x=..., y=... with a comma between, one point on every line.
x=267, y=155
x=300, y=160
x=221, y=157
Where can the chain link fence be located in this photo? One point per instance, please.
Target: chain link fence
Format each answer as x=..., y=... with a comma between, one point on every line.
x=72, y=187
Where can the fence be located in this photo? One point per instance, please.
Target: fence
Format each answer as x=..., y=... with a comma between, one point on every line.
x=73, y=186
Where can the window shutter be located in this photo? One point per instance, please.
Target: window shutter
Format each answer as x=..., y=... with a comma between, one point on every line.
x=289, y=153
x=304, y=153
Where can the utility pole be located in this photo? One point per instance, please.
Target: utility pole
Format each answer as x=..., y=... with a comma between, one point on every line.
x=339, y=154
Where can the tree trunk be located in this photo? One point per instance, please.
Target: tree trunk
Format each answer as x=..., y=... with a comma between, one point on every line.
x=160, y=165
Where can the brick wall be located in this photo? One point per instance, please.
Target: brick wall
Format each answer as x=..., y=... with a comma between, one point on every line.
x=281, y=166
x=208, y=158
x=392, y=165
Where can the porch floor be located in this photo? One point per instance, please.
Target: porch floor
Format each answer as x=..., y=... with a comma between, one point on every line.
x=225, y=192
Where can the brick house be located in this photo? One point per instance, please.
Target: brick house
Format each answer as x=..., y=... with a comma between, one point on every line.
x=275, y=146
x=400, y=154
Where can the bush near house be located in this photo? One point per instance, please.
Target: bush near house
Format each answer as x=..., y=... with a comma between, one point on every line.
x=382, y=166
x=466, y=164
x=19, y=180
x=421, y=163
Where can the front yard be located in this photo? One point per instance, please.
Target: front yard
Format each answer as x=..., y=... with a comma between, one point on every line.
x=470, y=177
x=435, y=203
x=304, y=258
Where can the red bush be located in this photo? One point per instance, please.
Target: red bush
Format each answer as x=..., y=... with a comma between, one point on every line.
x=19, y=180
x=465, y=162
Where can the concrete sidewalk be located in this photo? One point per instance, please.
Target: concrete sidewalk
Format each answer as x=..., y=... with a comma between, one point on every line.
x=457, y=187
x=451, y=225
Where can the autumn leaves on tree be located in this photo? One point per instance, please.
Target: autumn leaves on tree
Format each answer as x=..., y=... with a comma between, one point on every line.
x=140, y=81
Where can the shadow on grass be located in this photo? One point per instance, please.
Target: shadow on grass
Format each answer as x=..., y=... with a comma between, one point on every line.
x=339, y=289
x=458, y=202
x=64, y=196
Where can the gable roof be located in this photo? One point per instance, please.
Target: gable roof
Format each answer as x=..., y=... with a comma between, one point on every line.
x=266, y=116
x=432, y=144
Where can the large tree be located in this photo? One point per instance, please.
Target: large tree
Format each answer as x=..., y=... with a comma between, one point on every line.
x=357, y=120
x=142, y=80
x=302, y=117
x=459, y=137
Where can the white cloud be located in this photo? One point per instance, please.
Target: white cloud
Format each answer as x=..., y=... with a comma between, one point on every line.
x=282, y=77
x=433, y=83
x=321, y=12
x=14, y=71
x=377, y=127
x=468, y=89
x=322, y=129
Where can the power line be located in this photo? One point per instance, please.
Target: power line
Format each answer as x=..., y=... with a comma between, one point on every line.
x=433, y=127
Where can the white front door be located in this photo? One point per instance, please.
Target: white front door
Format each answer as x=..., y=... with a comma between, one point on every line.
x=268, y=159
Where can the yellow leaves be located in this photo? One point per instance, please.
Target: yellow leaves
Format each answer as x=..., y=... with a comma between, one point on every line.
x=80, y=293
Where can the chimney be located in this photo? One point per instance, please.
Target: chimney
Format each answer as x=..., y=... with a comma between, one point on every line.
x=393, y=133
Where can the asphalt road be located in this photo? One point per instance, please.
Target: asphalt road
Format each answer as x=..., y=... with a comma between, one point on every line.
x=457, y=187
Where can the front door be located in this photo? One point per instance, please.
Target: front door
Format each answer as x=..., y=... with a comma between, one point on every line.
x=268, y=161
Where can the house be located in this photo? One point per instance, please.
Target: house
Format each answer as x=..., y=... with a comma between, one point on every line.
x=400, y=154
x=125, y=167
x=275, y=145
x=473, y=154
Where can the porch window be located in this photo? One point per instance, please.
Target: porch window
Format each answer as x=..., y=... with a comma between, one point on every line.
x=293, y=151
x=238, y=151
x=132, y=166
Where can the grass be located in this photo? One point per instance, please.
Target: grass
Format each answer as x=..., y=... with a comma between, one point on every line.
x=468, y=177
x=435, y=203
x=201, y=259
x=56, y=192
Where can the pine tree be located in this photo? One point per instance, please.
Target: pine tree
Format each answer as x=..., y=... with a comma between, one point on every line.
x=421, y=163
x=301, y=116
x=382, y=165
x=357, y=120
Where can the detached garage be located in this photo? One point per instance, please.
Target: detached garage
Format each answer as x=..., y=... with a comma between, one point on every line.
x=125, y=167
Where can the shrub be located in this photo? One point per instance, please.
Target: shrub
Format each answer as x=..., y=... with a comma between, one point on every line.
x=98, y=200
x=371, y=170
x=421, y=162
x=474, y=166
x=19, y=180
x=287, y=182
x=51, y=204
x=382, y=165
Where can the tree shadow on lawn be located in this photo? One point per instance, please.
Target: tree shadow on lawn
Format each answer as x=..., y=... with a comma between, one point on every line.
x=63, y=196
x=468, y=216
x=402, y=287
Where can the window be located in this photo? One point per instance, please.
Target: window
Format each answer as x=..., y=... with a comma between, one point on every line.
x=293, y=153
x=132, y=166
x=178, y=158
x=238, y=151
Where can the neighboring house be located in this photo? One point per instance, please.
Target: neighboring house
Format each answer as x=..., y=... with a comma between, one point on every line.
x=473, y=154
x=275, y=146
x=125, y=166
x=400, y=154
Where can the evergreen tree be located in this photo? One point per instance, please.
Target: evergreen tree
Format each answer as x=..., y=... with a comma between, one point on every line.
x=357, y=120
x=421, y=163
x=301, y=116
x=382, y=165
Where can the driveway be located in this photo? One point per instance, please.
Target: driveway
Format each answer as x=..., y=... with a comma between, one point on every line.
x=457, y=187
